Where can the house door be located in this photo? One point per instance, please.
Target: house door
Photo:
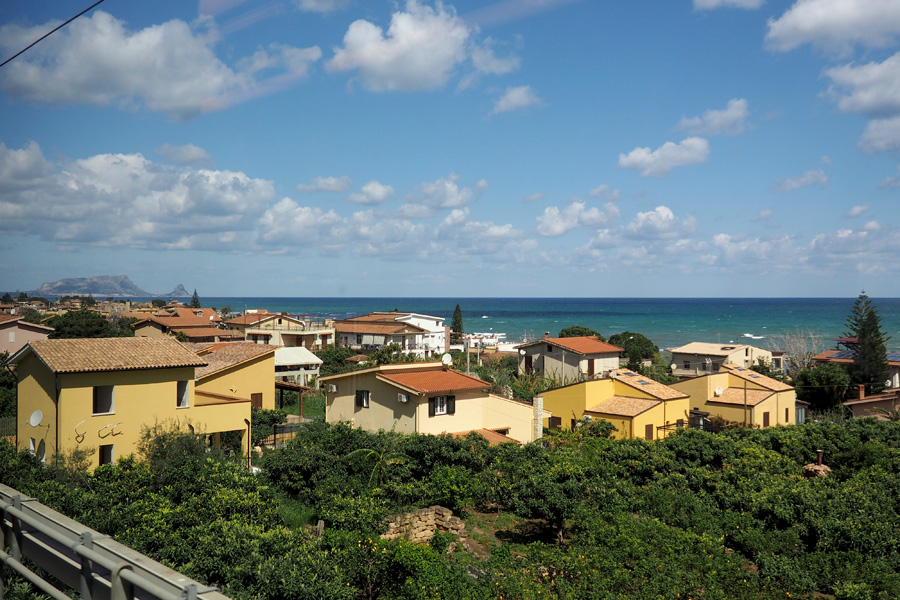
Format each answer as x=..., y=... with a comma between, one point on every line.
x=529, y=365
x=648, y=432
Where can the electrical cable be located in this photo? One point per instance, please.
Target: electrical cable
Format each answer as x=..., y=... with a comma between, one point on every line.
x=48, y=34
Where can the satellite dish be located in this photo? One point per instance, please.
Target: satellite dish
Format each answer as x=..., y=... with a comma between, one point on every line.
x=673, y=367
x=36, y=417
x=887, y=383
x=613, y=375
x=447, y=360
x=522, y=352
x=719, y=391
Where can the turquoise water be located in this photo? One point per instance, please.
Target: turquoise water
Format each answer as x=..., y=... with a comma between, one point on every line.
x=668, y=322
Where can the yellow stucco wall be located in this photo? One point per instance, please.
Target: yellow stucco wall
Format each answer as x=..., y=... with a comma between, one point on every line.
x=140, y=398
x=665, y=413
x=384, y=411
x=571, y=401
x=702, y=393
x=243, y=380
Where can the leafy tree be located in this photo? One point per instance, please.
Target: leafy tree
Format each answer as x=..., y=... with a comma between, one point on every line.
x=456, y=326
x=869, y=366
x=637, y=346
x=6, y=299
x=88, y=302
x=22, y=297
x=195, y=300
x=32, y=316
x=158, y=303
x=85, y=324
x=334, y=359
x=824, y=386
x=391, y=354
x=263, y=420
x=580, y=331
x=764, y=367
x=8, y=384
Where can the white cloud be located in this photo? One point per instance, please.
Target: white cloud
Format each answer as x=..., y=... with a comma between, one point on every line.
x=873, y=88
x=659, y=223
x=532, y=198
x=811, y=177
x=125, y=200
x=96, y=60
x=372, y=193
x=555, y=222
x=281, y=223
x=422, y=47
x=729, y=121
x=711, y=4
x=606, y=192
x=326, y=184
x=486, y=61
x=835, y=25
x=188, y=154
x=279, y=56
x=856, y=211
x=764, y=215
x=658, y=163
x=880, y=135
x=891, y=182
x=443, y=193
x=516, y=98
x=321, y=6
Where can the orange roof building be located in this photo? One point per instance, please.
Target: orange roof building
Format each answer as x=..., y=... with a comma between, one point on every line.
x=568, y=360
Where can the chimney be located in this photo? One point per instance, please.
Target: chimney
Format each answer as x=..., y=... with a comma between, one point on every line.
x=537, y=418
x=819, y=454
x=546, y=334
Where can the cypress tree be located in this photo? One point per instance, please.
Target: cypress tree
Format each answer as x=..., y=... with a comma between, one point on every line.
x=869, y=366
x=195, y=300
x=456, y=326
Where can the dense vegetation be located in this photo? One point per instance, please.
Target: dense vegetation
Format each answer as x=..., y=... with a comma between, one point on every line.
x=581, y=516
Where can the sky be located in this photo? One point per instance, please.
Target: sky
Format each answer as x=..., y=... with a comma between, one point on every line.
x=498, y=148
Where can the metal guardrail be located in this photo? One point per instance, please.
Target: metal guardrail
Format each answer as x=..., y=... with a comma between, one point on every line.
x=82, y=559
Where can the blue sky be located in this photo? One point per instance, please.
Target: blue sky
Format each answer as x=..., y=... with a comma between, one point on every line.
x=471, y=148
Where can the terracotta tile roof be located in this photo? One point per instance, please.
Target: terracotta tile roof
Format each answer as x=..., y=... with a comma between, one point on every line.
x=378, y=316
x=735, y=395
x=435, y=380
x=209, y=314
x=648, y=386
x=581, y=345
x=493, y=438
x=249, y=319
x=5, y=318
x=624, y=406
x=209, y=332
x=757, y=378
x=112, y=354
x=178, y=322
x=9, y=319
x=231, y=354
x=377, y=328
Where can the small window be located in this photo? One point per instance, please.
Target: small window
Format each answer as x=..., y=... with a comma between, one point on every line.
x=183, y=398
x=362, y=398
x=765, y=419
x=104, y=400
x=549, y=349
x=106, y=454
x=715, y=367
x=441, y=405
x=787, y=416
x=12, y=336
x=648, y=432
x=256, y=400
x=555, y=423
x=39, y=449
x=687, y=364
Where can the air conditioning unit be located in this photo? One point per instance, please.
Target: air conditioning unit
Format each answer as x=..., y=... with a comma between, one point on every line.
x=332, y=388
x=402, y=398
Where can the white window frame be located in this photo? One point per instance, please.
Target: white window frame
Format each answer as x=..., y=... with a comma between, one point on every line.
x=440, y=405
x=98, y=389
x=183, y=398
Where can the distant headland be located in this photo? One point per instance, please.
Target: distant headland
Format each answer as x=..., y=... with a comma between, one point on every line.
x=107, y=286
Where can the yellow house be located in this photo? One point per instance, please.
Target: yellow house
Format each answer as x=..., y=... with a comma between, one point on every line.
x=740, y=395
x=426, y=398
x=237, y=370
x=98, y=394
x=636, y=405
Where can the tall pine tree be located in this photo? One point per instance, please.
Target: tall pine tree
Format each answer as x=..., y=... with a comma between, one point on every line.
x=869, y=366
x=456, y=326
x=195, y=301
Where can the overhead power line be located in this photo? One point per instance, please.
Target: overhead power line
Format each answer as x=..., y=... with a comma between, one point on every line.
x=48, y=34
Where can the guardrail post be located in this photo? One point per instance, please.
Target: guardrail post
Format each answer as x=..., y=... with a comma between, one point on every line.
x=87, y=575
x=119, y=589
x=15, y=540
x=190, y=592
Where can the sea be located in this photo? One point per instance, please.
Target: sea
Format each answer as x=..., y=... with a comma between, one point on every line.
x=668, y=322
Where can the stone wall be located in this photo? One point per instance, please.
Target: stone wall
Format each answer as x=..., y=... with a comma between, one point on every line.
x=418, y=526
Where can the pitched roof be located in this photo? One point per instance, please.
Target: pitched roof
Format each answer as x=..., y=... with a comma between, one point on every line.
x=193, y=332
x=249, y=318
x=581, y=345
x=846, y=356
x=110, y=354
x=434, y=380
x=378, y=316
x=493, y=438
x=734, y=395
x=9, y=319
x=295, y=355
x=223, y=356
x=624, y=406
x=647, y=385
x=177, y=322
x=757, y=378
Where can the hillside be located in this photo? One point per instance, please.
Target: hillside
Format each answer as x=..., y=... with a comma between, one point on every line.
x=114, y=286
